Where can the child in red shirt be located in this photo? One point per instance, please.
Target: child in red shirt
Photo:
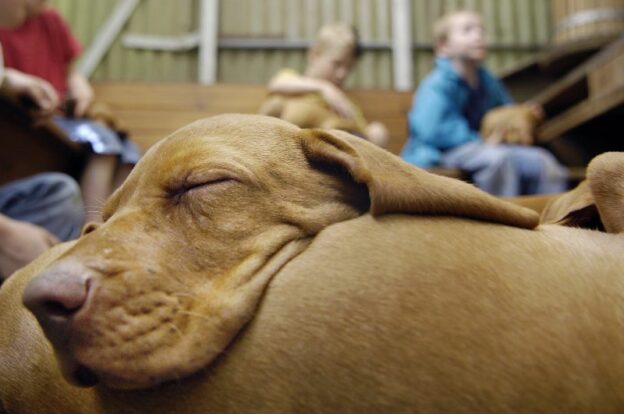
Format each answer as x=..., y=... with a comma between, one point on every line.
x=44, y=47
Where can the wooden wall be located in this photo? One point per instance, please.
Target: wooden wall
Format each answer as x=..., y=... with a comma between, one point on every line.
x=516, y=30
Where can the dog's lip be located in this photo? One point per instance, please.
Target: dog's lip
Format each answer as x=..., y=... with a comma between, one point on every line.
x=76, y=373
x=84, y=377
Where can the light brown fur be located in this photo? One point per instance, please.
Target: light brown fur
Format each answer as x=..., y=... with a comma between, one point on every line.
x=330, y=277
x=536, y=203
x=306, y=112
x=511, y=124
x=575, y=208
x=595, y=203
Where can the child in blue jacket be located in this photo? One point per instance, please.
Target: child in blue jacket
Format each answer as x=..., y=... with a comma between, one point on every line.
x=447, y=111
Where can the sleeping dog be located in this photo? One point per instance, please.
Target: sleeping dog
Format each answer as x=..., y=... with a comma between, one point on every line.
x=248, y=265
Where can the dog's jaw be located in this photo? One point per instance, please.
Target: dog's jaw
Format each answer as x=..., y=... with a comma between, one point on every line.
x=123, y=352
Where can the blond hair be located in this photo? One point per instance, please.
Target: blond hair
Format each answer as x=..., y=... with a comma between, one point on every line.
x=442, y=26
x=337, y=36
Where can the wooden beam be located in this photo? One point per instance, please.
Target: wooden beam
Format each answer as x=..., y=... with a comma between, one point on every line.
x=181, y=43
x=578, y=75
x=106, y=36
x=208, y=40
x=579, y=114
x=401, y=45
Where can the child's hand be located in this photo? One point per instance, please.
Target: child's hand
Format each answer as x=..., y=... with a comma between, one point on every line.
x=39, y=91
x=81, y=92
x=21, y=242
x=495, y=138
x=337, y=100
x=537, y=110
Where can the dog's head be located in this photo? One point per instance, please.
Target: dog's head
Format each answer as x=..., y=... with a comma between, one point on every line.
x=208, y=216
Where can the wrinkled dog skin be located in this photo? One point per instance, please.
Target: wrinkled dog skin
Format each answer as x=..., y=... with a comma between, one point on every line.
x=248, y=265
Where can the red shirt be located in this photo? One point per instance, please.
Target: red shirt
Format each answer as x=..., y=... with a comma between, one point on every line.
x=43, y=46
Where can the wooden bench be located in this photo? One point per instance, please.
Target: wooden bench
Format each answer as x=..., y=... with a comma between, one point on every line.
x=151, y=111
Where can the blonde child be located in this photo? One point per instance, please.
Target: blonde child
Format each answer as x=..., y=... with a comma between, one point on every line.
x=448, y=108
x=330, y=60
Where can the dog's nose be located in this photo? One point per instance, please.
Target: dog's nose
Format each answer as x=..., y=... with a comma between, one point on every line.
x=55, y=296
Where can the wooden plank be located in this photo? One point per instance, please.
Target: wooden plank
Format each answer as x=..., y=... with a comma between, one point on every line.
x=150, y=111
x=573, y=87
x=607, y=76
x=106, y=36
x=562, y=58
x=160, y=99
x=208, y=39
x=401, y=45
x=579, y=114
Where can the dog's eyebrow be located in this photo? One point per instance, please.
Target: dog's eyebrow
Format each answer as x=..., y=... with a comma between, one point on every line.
x=195, y=172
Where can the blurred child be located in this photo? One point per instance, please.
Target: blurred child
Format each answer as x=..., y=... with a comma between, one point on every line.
x=44, y=47
x=448, y=109
x=330, y=61
x=37, y=211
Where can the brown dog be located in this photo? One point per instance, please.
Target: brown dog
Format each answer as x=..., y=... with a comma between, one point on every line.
x=307, y=111
x=251, y=266
x=511, y=124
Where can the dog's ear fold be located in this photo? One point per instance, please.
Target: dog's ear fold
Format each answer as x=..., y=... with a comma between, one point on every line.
x=575, y=208
x=605, y=175
x=395, y=186
x=597, y=202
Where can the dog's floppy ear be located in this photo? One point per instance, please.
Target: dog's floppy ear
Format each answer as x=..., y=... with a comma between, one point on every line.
x=605, y=175
x=576, y=208
x=597, y=202
x=395, y=186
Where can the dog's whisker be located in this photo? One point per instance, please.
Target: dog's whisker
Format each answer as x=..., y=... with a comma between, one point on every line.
x=186, y=294
x=97, y=204
x=195, y=314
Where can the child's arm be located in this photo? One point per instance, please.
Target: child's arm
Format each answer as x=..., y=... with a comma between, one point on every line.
x=38, y=90
x=21, y=242
x=79, y=89
x=294, y=84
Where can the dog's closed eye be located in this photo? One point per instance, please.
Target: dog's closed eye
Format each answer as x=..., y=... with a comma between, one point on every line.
x=199, y=181
x=219, y=181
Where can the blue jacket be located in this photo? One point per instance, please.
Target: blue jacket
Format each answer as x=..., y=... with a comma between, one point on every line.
x=446, y=112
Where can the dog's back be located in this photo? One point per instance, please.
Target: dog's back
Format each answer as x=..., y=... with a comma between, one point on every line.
x=394, y=314
x=404, y=314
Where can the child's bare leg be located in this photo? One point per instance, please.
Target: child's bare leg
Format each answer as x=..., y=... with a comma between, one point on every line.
x=378, y=134
x=96, y=183
x=121, y=174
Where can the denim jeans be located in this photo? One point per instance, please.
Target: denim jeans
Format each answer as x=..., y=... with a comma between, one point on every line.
x=50, y=200
x=509, y=170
